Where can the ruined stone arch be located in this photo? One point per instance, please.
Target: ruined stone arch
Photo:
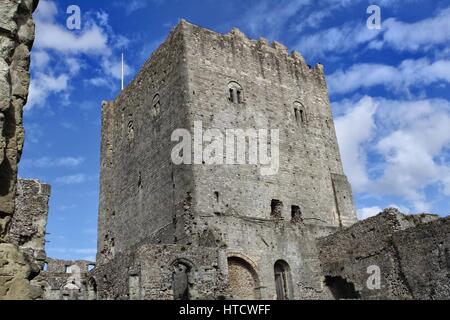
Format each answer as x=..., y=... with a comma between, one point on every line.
x=283, y=280
x=243, y=278
x=235, y=92
x=300, y=113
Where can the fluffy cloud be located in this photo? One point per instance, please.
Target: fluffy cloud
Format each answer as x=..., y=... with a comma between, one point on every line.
x=405, y=141
x=269, y=18
x=395, y=34
x=53, y=39
x=354, y=130
x=73, y=179
x=336, y=40
x=419, y=35
x=409, y=74
x=47, y=162
x=43, y=85
x=366, y=213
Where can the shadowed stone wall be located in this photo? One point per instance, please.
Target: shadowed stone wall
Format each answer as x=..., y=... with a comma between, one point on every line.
x=411, y=252
x=16, y=40
x=28, y=226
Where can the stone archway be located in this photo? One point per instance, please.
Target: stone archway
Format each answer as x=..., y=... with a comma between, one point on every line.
x=243, y=281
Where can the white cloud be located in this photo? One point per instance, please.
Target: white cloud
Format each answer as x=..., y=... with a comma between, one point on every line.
x=354, y=129
x=335, y=40
x=406, y=147
x=396, y=34
x=47, y=162
x=409, y=74
x=366, y=213
x=67, y=51
x=269, y=17
x=73, y=179
x=43, y=85
x=51, y=36
x=40, y=59
x=418, y=35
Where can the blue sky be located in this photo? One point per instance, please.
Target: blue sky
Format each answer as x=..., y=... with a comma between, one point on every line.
x=389, y=90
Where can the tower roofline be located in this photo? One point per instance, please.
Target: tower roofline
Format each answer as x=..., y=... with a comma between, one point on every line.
x=261, y=43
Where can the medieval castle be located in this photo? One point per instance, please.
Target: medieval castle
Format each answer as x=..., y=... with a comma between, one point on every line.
x=200, y=231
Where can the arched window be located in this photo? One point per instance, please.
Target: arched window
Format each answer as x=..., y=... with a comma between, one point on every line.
x=282, y=280
x=236, y=93
x=300, y=113
x=130, y=131
x=156, y=106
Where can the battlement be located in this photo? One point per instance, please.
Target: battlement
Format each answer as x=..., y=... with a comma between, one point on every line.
x=186, y=35
x=261, y=45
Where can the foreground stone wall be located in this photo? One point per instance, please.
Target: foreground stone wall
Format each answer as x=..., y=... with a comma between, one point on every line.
x=28, y=226
x=411, y=252
x=16, y=40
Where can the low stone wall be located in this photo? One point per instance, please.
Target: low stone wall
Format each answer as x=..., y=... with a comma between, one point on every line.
x=164, y=272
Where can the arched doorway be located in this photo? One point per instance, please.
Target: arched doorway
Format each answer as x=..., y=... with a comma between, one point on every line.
x=243, y=282
x=181, y=280
x=283, y=280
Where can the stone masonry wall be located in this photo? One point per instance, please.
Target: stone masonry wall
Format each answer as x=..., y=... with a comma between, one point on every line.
x=141, y=190
x=145, y=198
x=147, y=273
x=68, y=280
x=412, y=253
x=275, y=86
x=146, y=201
x=28, y=226
x=16, y=40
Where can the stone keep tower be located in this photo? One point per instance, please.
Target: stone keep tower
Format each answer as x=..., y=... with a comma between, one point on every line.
x=171, y=231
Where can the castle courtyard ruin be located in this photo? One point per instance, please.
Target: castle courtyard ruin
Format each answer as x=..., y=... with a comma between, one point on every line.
x=189, y=231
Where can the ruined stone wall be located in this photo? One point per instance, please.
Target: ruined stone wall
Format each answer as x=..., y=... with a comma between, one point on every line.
x=148, y=273
x=28, y=226
x=16, y=40
x=141, y=190
x=412, y=253
x=261, y=244
x=68, y=280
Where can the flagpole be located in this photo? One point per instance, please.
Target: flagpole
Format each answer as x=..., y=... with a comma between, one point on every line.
x=122, y=71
